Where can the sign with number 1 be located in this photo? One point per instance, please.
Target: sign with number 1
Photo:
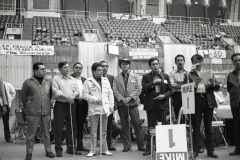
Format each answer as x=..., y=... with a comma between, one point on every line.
x=188, y=98
x=171, y=142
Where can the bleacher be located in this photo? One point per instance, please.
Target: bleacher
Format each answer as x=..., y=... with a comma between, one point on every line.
x=4, y=19
x=231, y=31
x=60, y=31
x=203, y=35
x=131, y=32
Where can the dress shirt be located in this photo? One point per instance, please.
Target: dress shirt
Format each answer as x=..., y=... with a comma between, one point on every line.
x=64, y=86
x=176, y=75
x=201, y=87
x=157, y=86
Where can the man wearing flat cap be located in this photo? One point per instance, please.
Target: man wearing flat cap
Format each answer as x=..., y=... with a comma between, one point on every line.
x=126, y=90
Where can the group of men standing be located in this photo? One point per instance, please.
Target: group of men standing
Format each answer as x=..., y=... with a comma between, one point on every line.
x=75, y=98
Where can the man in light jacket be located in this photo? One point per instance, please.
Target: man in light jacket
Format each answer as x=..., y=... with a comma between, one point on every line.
x=126, y=89
x=99, y=95
x=10, y=95
x=4, y=106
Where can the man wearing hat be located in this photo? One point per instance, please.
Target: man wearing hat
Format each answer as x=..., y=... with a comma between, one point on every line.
x=126, y=90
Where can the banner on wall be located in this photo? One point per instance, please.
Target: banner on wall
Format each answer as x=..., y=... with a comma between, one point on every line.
x=213, y=53
x=26, y=50
x=128, y=16
x=143, y=53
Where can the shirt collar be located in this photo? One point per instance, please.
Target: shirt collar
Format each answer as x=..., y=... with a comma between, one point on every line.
x=176, y=70
x=33, y=78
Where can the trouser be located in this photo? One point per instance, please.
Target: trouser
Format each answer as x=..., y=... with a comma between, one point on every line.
x=177, y=104
x=126, y=136
x=94, y=122
x=5, y=120
x=116, y=129
x=62, y=114
x=32, y=126
x=236, y=121
x=155, y=115
x=202, y=108
x=81, y=112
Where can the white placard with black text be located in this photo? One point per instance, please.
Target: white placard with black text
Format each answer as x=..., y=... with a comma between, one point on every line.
x=188, y=98
x=171, y=142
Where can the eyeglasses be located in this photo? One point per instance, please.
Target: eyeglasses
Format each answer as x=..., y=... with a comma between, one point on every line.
x=105, y=66
x=42, y=69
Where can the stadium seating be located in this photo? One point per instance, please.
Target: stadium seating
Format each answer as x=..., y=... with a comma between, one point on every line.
x=203, y=35
x=231, y=31
x=131, y=32
x=58, y=31
x=4, y=19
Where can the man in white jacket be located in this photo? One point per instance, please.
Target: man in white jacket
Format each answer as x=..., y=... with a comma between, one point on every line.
x=10, y=95
x=99, y=95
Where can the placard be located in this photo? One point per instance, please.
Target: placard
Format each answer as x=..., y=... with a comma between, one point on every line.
x=203, y=52
x=213, y=53
x=171, y=142
x=149, y=52
x=128, y=16
x=188, y=98
x=26, y=50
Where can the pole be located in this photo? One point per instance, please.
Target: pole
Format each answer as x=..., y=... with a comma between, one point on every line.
x=190, y=132
x=72, y=129
x=129, y=127
x=170, y=111
x=100, y=136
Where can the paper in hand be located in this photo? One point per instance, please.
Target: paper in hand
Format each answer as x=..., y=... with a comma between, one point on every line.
x=205, y=75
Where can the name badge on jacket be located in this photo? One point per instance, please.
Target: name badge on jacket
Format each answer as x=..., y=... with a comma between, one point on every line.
x=165, y=81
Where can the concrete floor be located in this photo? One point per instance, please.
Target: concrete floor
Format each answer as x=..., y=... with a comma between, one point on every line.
x=12, y=151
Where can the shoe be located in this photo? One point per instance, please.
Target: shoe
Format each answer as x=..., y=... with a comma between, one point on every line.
x=76, y=152
x=91, y=154
x=50, y=155
x=142, y=149
x=111, y=148
x=201, y=150
x=234, y=153
x=83, y=149
x=28, y=156
x=212, y=154
x=195, y=155
x=9, y=141
x=126, y=149
x=58, y=154
x=107, y=153
x=147, y=152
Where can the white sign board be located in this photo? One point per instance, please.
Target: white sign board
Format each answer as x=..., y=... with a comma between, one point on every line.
x=213, y=53
x=203, y=52
x=171, y=142
x=188, y=98
x=27, y=50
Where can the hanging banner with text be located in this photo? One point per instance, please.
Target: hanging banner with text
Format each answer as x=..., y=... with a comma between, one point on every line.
x=26, y=50
x=143, y=53
x=188, y=98
x=171, y=142
x=128, y=16
x=213, y=53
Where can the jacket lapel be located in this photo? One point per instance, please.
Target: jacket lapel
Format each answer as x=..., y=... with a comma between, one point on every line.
x=150, y=77
x=120, y=77
x=129, y=78
x=96, y=83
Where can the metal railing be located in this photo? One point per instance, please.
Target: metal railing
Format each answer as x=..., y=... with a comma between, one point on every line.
x=223, y=21
x=105, y=15
x=183, y=19
x=62, y=13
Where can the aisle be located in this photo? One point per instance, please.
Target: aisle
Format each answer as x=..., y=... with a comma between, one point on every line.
x=11, y=151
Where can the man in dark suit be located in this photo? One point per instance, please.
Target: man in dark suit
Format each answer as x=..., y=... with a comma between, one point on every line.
x=234, y=91
x=110, y=117
x=81, y=106
x=156, y=89
x=204, y=103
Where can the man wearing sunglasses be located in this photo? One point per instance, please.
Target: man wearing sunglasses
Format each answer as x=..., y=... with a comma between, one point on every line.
x=81, y=106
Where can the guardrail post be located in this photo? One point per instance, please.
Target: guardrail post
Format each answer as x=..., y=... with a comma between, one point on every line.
x=109, y=2
x=17, y=7
x=86, y=8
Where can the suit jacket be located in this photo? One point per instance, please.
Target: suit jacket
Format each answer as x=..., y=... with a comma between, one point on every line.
x=212, y=103
x=233, y=87
x=133, y=89
x=2, y=92
x=148, y=91
x=110, y=78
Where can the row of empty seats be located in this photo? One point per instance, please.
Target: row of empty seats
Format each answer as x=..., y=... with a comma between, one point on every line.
x=4, y=19
x=59, y=31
